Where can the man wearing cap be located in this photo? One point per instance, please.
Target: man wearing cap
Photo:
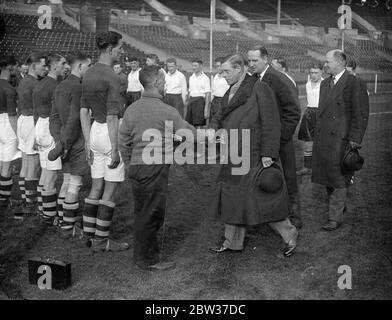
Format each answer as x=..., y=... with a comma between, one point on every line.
x=340, y=126
x=260, y=195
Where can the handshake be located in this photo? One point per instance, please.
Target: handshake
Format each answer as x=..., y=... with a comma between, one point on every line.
x=209, y=134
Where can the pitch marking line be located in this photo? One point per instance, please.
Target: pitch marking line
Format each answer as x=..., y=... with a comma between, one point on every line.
x=378, y=113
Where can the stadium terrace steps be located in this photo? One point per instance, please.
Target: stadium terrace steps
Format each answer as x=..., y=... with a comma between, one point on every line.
x=199, y=8
x=23, y=37
x=224, y=43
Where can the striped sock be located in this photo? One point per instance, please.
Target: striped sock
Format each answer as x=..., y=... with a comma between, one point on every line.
x=60, y=208
x=70, y=212
x=21, y=183
x=31, y=191
x=39, y=198
x=49, y=204
x=5, y=189
x=90, y=211
x=104, y=219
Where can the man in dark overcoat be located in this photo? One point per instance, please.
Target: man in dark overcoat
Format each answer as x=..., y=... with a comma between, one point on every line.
x=341, y=125
x=250, y=104
x=290, y=113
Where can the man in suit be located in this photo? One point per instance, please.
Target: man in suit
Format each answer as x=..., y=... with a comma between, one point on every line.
x=341, y=125
x=250, y=104
x=280, y=64
x=290, y=114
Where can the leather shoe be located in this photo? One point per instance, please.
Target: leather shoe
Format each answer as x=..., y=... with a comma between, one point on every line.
x=221, y=249
x=331, y=225
x=290, y=246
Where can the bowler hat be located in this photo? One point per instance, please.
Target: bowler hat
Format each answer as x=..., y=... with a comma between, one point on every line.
x=270, y=179
x=352, y=161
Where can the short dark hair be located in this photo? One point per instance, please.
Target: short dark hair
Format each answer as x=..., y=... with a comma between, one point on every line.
x=236, y=59
x=281, y=61
x=340, y=56
x=220, y=60
x=8, y=60
x=148, y=74
x=316, y=65
x=107, y=39
x=77, y=56
x=171, y=60
x=117, y=63
x=197, y=60
x=263, y=51
x=351, y=63
x=131, y=59
x=35, y=58
x=152, y=56
x=52, y=58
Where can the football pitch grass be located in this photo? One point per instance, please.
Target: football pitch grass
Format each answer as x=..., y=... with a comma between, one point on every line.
x=364, y=242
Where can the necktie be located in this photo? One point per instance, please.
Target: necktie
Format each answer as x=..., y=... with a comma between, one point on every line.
x=332, y=82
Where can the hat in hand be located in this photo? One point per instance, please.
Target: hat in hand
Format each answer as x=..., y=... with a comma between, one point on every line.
x=270, y=179
x=352, y=161
x=58, y=151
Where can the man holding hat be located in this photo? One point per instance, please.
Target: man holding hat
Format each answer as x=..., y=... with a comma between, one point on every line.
x=340, y=127
x=260, y=195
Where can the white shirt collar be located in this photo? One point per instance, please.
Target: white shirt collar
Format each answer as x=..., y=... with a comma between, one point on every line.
x=172, y=74
x=137, y=70
x=218, y=76
x=338, y=76
x=263, y=73
x=196, y=76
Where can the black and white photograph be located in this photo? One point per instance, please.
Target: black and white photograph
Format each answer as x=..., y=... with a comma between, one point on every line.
x=195, y=155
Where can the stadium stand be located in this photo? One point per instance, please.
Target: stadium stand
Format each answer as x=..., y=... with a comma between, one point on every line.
x=193, y=8
x=23, y=36
x=379, y=16
x=224, y=43
x=134, y=5
x=254, y=10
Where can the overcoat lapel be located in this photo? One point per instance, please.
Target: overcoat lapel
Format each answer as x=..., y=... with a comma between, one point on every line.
x=239, y=98
x=340, y=85
x=328, y=95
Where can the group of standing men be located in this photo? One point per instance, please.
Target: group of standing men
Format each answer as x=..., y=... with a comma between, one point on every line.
x=75, y=124
x=67, y=125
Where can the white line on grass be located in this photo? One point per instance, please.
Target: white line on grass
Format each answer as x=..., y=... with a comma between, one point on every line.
x=378, y=113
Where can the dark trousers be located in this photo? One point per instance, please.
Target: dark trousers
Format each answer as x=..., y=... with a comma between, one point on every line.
x=215, y=106
x=132, y=96
x=175, y=100
x=195, y=112
x=149, y=187
x=287, y=157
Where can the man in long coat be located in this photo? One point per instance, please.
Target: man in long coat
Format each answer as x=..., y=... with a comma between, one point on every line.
x=341, y=125
x=286, y=96
x=250, y=104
